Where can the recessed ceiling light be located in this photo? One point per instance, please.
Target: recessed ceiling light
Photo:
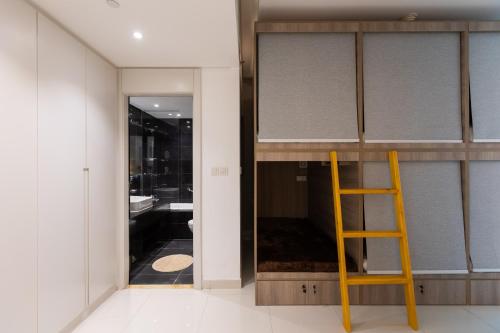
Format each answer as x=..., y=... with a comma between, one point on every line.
x=178, y=115
x=156, y=105
x=170, y=114
x=138, y=35
x=113, y=3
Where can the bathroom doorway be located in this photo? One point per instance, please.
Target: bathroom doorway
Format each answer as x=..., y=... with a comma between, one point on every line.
x=160, y=141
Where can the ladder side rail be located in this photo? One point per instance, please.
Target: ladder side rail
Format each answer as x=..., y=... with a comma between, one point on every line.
x=344, y=292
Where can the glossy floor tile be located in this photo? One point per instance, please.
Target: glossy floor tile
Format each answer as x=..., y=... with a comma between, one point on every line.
x=233, y=311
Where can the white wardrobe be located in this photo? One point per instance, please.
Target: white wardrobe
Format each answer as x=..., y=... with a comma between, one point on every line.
x=59, y=141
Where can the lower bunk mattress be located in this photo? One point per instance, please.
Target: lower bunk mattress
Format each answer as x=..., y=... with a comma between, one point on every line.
x=296, y=245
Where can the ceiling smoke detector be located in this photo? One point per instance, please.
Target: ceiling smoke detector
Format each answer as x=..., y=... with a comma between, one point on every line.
x=113, y=3
x=410, y=17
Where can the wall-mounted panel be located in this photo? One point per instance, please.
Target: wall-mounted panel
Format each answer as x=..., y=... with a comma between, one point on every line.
x=61, y=186
x=307, y=87
x=18, y=175
x=484, y=84
x=485, y=215
x=434, y=217
x=412, y=87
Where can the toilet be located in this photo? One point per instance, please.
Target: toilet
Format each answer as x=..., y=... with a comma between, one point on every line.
x=190, y=225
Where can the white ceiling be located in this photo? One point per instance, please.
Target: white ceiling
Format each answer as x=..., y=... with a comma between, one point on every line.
x=168, y=107
x=177, y=33
x=379, y=9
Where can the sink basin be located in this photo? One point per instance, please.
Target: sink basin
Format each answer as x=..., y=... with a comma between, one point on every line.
x=181, y=206
x=140, y=203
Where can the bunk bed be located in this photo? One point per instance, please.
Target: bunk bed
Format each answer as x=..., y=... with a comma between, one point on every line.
x=322, y=86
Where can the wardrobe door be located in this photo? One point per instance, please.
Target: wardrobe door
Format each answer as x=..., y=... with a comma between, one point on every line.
x=18, y=166
x=101, y=156
x=61, y=160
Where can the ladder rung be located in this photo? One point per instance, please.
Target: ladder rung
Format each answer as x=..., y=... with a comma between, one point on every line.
x=368, y=191
x=372, y=234
x=376, y=279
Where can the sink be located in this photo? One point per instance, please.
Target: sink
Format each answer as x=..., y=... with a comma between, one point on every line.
x=140, y=203
x=181, y=206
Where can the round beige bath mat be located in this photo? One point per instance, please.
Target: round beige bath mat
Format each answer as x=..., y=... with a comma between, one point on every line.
x=172, y=263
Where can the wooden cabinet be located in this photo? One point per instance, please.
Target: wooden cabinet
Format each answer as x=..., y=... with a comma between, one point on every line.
x=427, y=292
x=304, y=292
x=281, y=292
x=440, y=292
x=485, y=292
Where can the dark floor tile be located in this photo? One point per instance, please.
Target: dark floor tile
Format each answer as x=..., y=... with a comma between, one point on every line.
x=168, y=252
x=154, y=279
x=184, y=279
x=179, y=244
x=188, y=271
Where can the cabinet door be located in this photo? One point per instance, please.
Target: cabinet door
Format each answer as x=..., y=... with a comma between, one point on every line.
x=61, y=159
x=101, y=156
x=439, y=292
x=18, y=175
x=427, y=292
x=485, y=292
x=282, y=292
x=328, y=293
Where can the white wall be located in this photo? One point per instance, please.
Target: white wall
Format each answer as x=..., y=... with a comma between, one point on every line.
x=221, y=194
x=17, y=167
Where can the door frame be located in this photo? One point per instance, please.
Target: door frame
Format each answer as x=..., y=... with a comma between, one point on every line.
x=123, y=183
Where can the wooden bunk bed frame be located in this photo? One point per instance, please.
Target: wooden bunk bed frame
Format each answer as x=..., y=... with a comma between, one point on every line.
x=280, y=288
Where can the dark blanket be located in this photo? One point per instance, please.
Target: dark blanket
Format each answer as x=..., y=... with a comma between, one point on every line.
x=295, y=245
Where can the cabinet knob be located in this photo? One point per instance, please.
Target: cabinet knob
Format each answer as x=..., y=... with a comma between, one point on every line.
x=314, y=288
x=421, y=288
x=304, y=289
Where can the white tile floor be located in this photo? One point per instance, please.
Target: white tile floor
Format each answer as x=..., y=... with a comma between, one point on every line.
x=233, y=311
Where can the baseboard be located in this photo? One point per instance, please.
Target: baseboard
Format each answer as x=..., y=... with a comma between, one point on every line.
x=88, y=311
x=222, y=284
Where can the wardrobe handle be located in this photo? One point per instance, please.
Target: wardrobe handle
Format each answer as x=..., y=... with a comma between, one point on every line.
x=304, y=289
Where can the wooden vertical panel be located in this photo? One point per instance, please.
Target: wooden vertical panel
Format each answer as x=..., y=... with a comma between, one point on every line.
x=466, y=134
x=255, y=161
x=361, y=131
x=281, y=192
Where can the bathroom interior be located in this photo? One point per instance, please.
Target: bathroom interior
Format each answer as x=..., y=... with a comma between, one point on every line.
x=161, y=190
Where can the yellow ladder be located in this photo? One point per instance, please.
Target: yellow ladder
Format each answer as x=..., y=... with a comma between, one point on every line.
x=406, y=278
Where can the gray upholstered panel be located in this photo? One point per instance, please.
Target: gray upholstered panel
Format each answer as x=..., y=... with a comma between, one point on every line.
x=412, y=87
x=485, y=215
x=434, y=217
x=485, y=85
x=307, y=87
